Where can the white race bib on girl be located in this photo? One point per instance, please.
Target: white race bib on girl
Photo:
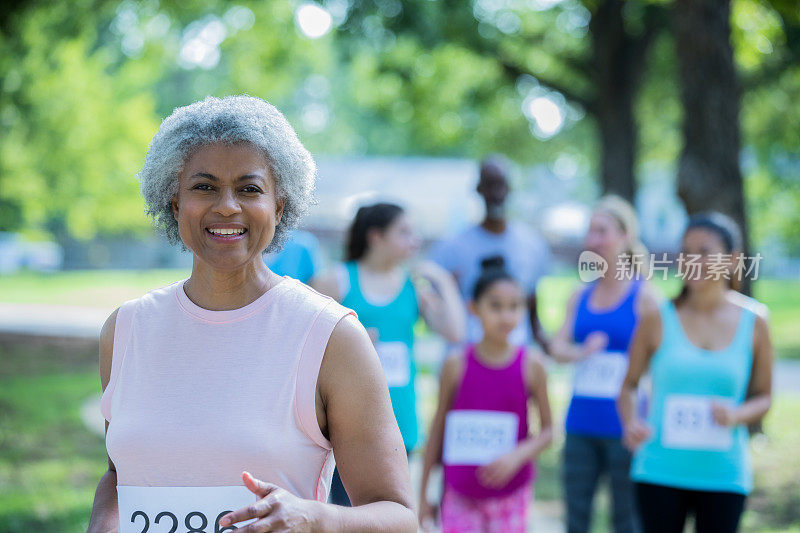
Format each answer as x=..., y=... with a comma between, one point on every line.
x=473, y=437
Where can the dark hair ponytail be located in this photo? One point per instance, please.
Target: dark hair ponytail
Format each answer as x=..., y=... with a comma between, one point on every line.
x=493, y=269
x=728, y=232
x=377, y=216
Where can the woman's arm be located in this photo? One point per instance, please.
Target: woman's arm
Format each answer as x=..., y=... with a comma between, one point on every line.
x=646, y=339
x=759, y=392
x=442, y=309
x=539, y=334
x=537, y=389
x=452, y=370
x=369, y=449
x=561, y=346
x=104, y=518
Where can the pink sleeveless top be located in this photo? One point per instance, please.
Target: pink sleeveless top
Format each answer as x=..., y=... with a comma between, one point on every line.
x=491, y=389
x=197, y=396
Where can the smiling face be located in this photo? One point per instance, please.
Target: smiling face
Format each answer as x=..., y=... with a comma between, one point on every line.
x=227, y=205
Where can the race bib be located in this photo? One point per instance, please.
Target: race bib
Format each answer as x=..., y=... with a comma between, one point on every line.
x=689, y=424
x=179, y=509
x=395, y=361
x=478, y=437
x=600, y=375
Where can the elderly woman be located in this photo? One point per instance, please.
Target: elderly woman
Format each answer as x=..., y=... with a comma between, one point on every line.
x=226, y=394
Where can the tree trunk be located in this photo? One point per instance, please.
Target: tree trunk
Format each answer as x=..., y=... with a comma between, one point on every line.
x=616, y=68
x=709, y=177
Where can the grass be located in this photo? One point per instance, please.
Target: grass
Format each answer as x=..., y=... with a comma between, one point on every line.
x=49, y=462
x=91, y=288
x=776, y=498
x=783, y=299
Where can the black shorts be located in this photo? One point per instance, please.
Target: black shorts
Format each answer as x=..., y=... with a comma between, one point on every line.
x=664, y=509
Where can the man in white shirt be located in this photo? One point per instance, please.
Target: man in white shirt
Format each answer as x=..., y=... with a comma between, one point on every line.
x=526, y=254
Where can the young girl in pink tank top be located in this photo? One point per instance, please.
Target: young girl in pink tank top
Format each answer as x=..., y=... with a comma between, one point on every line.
x=480, y=430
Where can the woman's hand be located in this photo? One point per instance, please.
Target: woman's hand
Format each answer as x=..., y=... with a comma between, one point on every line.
x=439, y=300
x=276, y=510
x=724, y=415
x=429, y=270
x=427, y=515
x=500, y=471
x=636, y=432
x=594, y=342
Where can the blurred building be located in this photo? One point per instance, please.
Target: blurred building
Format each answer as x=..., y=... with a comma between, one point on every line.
x=17, y=253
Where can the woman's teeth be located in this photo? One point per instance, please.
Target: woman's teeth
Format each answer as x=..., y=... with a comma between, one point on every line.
x=237, y=231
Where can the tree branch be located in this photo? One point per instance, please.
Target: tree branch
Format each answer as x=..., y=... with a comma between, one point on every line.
x=514, y=70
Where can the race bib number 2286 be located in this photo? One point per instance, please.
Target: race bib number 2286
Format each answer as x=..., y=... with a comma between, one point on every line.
x=179, y=509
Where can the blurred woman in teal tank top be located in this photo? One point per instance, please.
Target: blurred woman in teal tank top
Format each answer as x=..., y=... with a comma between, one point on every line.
x=710, y=360
x=389, y=297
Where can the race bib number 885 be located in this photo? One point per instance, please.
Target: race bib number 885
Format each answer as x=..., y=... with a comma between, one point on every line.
x=689, y=424
x=179, y=509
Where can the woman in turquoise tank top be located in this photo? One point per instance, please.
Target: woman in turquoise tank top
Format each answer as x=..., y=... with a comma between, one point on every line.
x=389, y=298
x=710, y=360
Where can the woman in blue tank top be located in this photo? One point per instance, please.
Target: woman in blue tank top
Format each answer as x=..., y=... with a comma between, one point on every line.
x=599, y=324
x=376, y=283
x=710, y=361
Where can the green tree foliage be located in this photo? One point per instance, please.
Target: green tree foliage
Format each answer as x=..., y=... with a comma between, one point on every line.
x=766, y=37
x=75, y=127
x=84, y=84
x=548, y=45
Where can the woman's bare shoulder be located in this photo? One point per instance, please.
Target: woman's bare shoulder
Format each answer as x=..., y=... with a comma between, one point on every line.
x=107, y=347
x=649, y=298
x=751, y=304
x=350, y=356
x=453, y=366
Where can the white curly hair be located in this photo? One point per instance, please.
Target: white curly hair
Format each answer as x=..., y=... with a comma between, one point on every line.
x=229, y=120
